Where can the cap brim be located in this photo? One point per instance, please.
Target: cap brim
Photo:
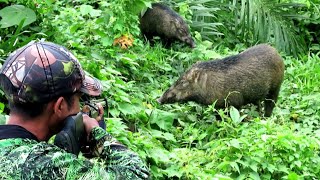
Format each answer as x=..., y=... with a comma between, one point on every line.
x=91, y=86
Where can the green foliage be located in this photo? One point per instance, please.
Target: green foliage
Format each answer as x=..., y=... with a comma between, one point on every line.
x=3, y=117
x=13, y=15
x=301, y=92
x=190, y=141
x=250, y=22
x=15, y=28
x=308, y=26
x=254, y=150
x=269, y=23
x=201, y=15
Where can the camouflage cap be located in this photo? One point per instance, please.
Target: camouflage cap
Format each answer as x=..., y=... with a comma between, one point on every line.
x=42, y=71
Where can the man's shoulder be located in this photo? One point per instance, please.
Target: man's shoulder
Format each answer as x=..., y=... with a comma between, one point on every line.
x=15, y=143
x=39, y=158
x=16, y=146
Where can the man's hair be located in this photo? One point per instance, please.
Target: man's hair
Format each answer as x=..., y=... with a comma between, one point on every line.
x=28, y=109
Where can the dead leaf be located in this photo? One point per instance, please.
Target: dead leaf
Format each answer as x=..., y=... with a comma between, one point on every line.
x=124, y=41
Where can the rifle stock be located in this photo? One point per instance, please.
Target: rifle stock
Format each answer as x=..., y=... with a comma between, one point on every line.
x=72, y=134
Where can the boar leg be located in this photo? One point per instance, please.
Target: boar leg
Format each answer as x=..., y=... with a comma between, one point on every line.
x=270, y=101
x=258, y=104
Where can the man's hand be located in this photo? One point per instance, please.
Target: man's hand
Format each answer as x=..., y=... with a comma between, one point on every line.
x=90, y=123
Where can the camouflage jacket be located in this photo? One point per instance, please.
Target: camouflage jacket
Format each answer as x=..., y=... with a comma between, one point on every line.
x=24, y=157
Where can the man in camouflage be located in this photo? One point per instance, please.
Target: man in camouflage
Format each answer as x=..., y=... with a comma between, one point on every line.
x=43, y=83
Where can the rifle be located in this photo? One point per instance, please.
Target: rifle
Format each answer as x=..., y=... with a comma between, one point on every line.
x=72, y=134
x=94, y=111
x=72, y=138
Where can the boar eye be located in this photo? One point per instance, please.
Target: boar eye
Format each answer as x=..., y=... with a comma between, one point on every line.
x=183, y=84
x=182, y=31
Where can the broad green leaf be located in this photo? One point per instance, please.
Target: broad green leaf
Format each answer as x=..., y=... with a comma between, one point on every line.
x=127, y=60
x=264, y=137
x=235, y=166
x=174, y=171
x=235, y=143
x=87, y=9
x=162, y=118
x=127, y=108
x=169, y=137
x=293, y=176
x=95, y=13
x=244, y=163
x=1, y=107
x=234, y=114
x=161, y=135
x=271, y=168
x=115, y=124
x=123, y=140
x=125, y=98
x=107, y=41
x=75, y=27
x=221, y=177
x=138, y=7
x=223, y=165
x=298, y=163
x=49, y=2
x=203, y=135
x=255, y=176
x=118, y=26
x=14, y=14
x=254, y=167
x=148, y=4
x=112, y=71
x=156, y=133
x=283, y=168
x=114, y=112
x=266, y=176
x=156, y=172
x=159, y=155
x=3, y=119
x=242, y=176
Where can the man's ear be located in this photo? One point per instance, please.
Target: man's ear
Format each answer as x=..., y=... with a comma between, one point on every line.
x=59, y=107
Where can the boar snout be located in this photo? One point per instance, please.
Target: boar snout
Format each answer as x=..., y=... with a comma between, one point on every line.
x=159, y=100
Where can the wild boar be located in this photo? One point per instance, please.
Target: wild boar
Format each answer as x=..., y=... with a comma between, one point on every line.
x=249, y=77
x=167, y=24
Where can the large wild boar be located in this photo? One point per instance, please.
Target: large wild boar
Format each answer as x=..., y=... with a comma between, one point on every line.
x=249, y=77
x=167, y=24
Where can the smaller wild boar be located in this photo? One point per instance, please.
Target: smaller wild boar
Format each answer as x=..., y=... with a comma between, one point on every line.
x=249, y=77
x=167, y=24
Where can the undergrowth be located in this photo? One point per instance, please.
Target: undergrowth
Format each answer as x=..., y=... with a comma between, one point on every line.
x=188, y=140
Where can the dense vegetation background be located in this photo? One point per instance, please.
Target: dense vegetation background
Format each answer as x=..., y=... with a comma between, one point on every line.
x=189, y=141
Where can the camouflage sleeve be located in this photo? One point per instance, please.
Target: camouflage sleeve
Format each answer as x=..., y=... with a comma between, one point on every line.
x=115, y=161
x=119, y=161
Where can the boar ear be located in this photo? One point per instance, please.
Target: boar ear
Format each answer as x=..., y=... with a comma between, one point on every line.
x=192, y=74
x=176, y=23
